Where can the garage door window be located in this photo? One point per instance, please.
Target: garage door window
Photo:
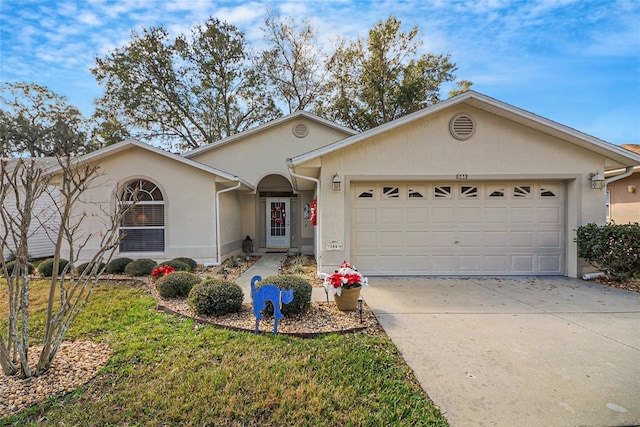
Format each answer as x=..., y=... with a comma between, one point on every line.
x=442, y=192
x=523, y=192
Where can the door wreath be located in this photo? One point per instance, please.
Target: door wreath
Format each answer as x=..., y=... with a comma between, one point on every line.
x=278, y=214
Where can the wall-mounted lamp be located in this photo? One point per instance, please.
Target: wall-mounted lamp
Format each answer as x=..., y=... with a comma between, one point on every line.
x=335, y=182
x=631, y=189
x=597, y=181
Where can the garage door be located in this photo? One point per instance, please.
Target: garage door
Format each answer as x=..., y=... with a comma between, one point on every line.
x=459, y=228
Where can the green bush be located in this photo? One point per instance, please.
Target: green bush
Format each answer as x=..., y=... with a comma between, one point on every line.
x=11, y=265
x=301, y=293
x=216, y=297
x=177, y=265
x=46, y=267
x=88, y=265
x=117, y=265
x=190, y=262
x=177, y=284
x=612, y=248
x=140, y=267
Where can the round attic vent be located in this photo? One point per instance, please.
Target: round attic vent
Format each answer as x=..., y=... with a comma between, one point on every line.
x=300, y=130
x=462, y=126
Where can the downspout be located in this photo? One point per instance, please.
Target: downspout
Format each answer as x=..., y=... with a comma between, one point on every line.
x=628, y=171
x=318, y=217
x=218, y=240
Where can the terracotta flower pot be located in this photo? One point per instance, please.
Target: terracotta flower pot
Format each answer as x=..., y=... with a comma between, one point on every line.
x=348, y=301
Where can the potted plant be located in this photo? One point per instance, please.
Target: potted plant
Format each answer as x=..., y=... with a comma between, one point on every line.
x=345, y=285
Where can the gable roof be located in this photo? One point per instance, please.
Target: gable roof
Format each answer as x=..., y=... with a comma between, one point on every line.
x=290, y=117
x=499, y=108
x=128, y=143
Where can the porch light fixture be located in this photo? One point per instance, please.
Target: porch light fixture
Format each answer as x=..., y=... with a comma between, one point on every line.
x=631, y=189
x=335, y=182
x=597, y=181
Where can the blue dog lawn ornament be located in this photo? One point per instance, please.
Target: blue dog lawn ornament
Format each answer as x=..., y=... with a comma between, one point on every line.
x=271, y=293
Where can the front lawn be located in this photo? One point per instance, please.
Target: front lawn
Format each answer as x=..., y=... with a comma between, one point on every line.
x=166, y=370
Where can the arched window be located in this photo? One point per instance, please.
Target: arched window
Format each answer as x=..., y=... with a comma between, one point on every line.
x=143, y=223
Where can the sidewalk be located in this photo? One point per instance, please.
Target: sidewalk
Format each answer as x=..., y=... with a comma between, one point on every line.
x=266, y=266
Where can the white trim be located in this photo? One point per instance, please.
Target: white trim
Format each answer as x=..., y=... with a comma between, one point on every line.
x=478, y=100
x=294, y=116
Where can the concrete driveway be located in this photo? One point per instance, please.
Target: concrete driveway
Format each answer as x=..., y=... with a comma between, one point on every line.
x=517, y=351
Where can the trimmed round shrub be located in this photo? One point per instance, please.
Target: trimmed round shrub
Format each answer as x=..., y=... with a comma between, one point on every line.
x=177, y=265
x=46, y=267
x=301, y=293
x=117, y=265
x=88, y=266
x=11, y=265
x=190, y=262
x=215, y=297
x=177, y=284
x=140, y=267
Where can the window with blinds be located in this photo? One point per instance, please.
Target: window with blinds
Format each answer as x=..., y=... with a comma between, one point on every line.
x=142, y=228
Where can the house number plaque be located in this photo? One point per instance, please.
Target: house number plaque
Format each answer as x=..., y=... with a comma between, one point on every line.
x=461, y=176
x=334, y=245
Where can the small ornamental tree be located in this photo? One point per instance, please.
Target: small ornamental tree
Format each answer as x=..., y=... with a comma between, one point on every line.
x=41, y=139
x=612, y=248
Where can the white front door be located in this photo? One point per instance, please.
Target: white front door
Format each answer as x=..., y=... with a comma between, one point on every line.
x=278, y=235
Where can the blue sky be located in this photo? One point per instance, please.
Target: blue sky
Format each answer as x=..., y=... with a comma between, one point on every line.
x=574, y=62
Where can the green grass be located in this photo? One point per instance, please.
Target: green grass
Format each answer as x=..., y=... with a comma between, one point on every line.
x=170, y=371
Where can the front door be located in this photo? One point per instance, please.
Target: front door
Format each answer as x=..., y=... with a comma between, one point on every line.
x=278, y=235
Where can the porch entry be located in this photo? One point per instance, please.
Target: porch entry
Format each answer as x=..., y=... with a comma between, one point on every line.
x=278, y=222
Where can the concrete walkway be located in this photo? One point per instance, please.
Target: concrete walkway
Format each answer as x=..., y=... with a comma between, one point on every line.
x=517, y=351
x=269, y=265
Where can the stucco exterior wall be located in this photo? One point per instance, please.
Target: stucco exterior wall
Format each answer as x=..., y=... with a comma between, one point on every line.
x=624, y=204
x=266, y=153
x=424, y=150
x=189, y=196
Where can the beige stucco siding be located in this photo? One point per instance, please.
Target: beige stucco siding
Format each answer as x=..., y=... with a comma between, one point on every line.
x=625, y=201
x=499, y=150
x=266, y=153
x=189, y=196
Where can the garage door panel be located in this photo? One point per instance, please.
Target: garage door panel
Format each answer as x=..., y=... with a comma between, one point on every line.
x=498, y=215
x=525, y=215
x=496, y=239
x=496, y=264
x=418, y=216
x=521, y=239
x=390, y=239
x=443, y=215
x=469, y=215
x=365, y=239
x=365, y=216
x=443, y=238
x=470, y=239
x=500, y=228
x=418, y=239
x=390, y=215
x=549, y=239
x=470, y=263
x=390, y=263
x=550, y=264
x=417, y=264
x=522, y=264
x=444, y=264
x=549, y=215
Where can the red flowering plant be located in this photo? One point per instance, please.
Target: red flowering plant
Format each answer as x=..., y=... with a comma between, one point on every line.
x=347, y=277
x=162, y=271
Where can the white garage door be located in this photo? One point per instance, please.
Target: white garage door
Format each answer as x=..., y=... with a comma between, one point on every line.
x=461, y=228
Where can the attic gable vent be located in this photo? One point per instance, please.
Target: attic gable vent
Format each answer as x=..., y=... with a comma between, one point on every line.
x=300, y=130
x=462, y=126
